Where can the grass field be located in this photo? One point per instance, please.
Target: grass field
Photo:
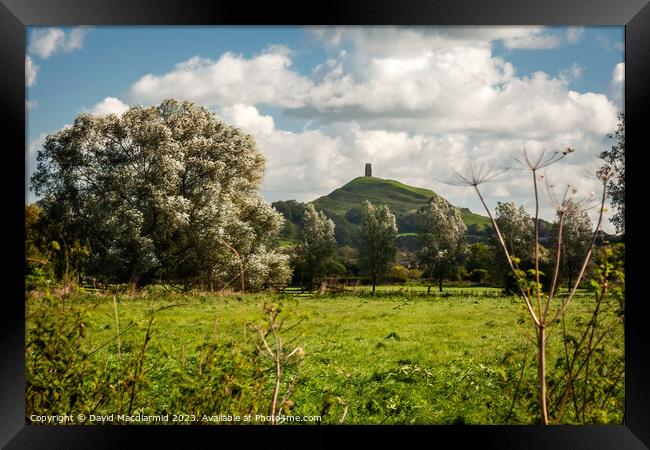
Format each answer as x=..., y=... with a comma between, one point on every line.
x=399, y=357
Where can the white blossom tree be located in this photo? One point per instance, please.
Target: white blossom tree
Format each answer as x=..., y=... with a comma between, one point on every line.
x=577, y=230
x=377, y=238
x=517, y=228
x=165, y=192
x=441, y=234
x=518, y=232
x=318, y=247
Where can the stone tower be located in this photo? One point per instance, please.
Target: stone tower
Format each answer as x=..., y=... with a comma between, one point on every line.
x=368, y=170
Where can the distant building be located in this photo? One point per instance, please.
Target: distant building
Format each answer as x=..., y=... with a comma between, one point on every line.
x=368, y=170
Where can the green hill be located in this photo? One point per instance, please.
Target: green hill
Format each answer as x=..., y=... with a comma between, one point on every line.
x=343, y=206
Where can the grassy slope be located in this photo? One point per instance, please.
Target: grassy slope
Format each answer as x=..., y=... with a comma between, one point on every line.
x=401, y=198
x=399, y=359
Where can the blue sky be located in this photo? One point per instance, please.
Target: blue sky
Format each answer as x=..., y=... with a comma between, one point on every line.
x=321, y=102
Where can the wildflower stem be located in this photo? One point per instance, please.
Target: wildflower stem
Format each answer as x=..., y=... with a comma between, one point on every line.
x=505, y=250
x=537, y=285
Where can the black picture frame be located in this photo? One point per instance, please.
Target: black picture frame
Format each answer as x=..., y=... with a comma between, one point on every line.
x=15, y=15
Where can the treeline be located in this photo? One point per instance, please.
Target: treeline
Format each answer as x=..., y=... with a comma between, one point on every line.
x=441, y=248
x=170, y=194
x=346, y=231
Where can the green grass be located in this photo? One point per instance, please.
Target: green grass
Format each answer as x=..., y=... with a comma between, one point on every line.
x=397, y=358
x=401, y=198
x=420, y=288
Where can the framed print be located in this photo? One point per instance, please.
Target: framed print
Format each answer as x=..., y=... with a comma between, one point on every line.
x=363, y=219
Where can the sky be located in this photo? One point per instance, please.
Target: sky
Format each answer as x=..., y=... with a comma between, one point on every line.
x=418, y=103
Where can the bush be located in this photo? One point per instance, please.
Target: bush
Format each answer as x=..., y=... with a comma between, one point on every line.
x=478, y=276
x=397, y=274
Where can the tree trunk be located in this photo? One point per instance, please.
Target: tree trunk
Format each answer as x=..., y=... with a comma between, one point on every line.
x=428, y=289
x=241, y=263
x=541, y=372
x=67, y=259
x=374, y=281
x=440, y=284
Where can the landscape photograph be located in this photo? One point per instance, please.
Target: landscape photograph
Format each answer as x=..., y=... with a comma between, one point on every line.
x=325, y=225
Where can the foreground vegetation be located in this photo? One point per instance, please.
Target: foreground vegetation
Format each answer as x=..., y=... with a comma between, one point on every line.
x=398, y=357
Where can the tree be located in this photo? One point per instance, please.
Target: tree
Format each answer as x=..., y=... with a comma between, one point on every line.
x=516, y=226
x=318, y=248
x=165, y=192
x=441, y=233
x=479, y=262
x=517, y=231
x=615, y=163
x=377, y=240
x=33, y=240
x=576, y=236
x=292, y=212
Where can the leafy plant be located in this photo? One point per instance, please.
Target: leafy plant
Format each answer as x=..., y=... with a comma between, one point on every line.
x=538, y=302
x=590, y=373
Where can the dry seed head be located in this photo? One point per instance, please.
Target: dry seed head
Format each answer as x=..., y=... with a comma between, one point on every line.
x=475, y=174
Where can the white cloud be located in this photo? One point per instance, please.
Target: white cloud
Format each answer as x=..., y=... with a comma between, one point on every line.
x=384, y=40
x=538, y=41
x=609, y=45
x=312, y=163
x=248, y=118
x=110, y=105
x=265, y=78
x=572, y=73
x=574, y=34
x=383, y=54
x=75, y=39
x=49, y=41
x=617, y=85
x=462, y=91
x=415, y=102
x=45, y=42
x=299, y=165
x=30, y=104
x=31, y=70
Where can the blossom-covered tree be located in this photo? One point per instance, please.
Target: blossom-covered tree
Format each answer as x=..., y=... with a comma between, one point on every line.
x=377, y=238
x=318, y=248
x=517, y=228
x=166, y=192
x=518, y=234
x=441, y=233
